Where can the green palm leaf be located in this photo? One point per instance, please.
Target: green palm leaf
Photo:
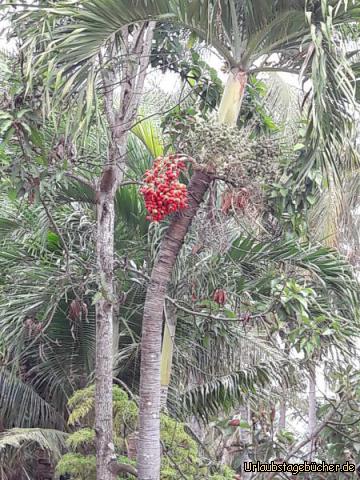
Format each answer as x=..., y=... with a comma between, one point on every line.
x=31, y=410
x=225, y=392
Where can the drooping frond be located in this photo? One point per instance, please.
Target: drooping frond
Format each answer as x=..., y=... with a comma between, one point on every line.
x=225, y=392
x=330, y=131
x=325, y=264
x=335, y=218
x=19, y=449
x=50, y=440
x=30, y=411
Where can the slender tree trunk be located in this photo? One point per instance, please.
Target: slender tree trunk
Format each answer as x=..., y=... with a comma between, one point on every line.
x=149, y=441
x=105, y=212
x=237, y=444
x=116, y=332
x=312, y=409
x=44, y=468
x=283, y=404
x=137, y=47
x=167, y=352
x=104, y=324
x=149, y=458
x=282, y=419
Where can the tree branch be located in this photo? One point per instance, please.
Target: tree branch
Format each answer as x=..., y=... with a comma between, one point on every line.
x=80, y=180
x=117, y=468
x=125, y=387
x=176, y=466
x=130, y=182
x=132, y=89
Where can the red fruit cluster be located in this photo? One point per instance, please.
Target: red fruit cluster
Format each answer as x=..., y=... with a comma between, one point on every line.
x=163, y=193
x=219, y=296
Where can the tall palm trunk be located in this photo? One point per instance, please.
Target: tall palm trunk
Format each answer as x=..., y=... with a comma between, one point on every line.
x=167, y=352
x=232, y=97
x=149, y=432
x=149, y=457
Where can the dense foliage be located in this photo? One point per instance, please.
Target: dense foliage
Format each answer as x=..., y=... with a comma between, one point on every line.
x=261, y=312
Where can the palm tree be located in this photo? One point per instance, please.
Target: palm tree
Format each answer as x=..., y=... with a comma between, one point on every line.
x=295, y=36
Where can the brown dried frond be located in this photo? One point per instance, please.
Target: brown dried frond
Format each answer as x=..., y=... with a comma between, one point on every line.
x=235, y=199
x=77, y=309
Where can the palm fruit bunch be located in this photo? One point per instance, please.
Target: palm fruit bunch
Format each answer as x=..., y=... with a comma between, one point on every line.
x=233, y=153
x=162, y=192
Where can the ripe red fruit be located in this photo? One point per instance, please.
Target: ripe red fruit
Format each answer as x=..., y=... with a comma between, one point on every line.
x=164, y=194
x=219, y=296
x=235, y=422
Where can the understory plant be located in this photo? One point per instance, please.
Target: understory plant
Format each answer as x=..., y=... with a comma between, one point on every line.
x=181, y=457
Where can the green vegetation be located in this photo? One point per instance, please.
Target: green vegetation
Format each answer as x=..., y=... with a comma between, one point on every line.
x=226, y=332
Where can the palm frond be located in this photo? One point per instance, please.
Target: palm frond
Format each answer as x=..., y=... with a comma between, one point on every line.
x=48, y=439
x=283, y=101
x=147, y=131
x=334, y=216
x=55, y=351
x=330, y=132
x=225, y=392
x=18, y=450
x=31, y=410
x=301, y=34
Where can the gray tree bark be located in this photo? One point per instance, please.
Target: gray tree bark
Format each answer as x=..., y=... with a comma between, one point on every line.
x=138, y=47
x=104, y=324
